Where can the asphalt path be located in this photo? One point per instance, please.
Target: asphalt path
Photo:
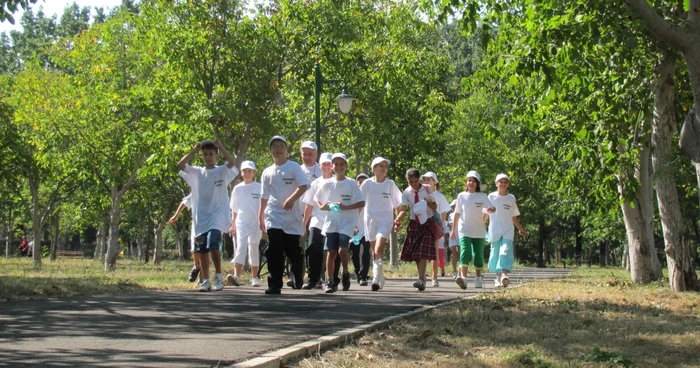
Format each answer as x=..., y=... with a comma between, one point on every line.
x=193, y=329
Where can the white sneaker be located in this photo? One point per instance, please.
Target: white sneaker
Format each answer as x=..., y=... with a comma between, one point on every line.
x=462, y=282
x=377, y=277
x=436, y=283
x=218, y=282
x=233, y=280
x=290, y=281
x=205, y=285
x=255, y=282
x=381, y=276
x=455, y=276
x=505, y=281
x=496, y=283
x=479, y=283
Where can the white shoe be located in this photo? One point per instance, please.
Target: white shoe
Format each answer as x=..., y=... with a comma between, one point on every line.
x=436, y=283
x=462, y=282
x=218, y=282
x=496, y=283
x=205, y=285
x=505, y=281
x=479, y=283
x=233, y=280
x=255, y=282
x=375, y=276
x=455, y=276
x=381, y=276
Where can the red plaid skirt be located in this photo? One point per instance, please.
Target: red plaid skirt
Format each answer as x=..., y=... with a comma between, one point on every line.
x=418, y=243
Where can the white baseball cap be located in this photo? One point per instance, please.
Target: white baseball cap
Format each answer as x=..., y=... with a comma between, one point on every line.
x=378, y=160
x=361, y=175
x=475, y=175
x=453, y=203
x=502, y=176
x=431, y=175
x=339, y=155
x=325, y=157
x=247, y=165
x=309, y=144
x=277, y=138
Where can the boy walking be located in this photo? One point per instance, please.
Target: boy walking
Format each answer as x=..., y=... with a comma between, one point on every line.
x=210, y=214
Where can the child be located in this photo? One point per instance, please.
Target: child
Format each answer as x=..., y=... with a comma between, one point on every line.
x=245, y=204
x=314, y=219
x=343, y=198
x=469, y=216
x=453, y=243
x=501, y=230
x=419, y=245
x=360, y=246
x=382, y=197
x=187, y=203
x=283, y=183
x=443, y=206
x=210, y=213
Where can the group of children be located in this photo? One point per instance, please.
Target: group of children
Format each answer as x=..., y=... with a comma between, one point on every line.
x=339, y=214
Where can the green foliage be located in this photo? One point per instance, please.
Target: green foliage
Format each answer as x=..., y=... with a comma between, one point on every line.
x=601, y=356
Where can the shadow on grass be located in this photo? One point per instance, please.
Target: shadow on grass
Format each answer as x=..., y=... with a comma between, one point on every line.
x=13, y=288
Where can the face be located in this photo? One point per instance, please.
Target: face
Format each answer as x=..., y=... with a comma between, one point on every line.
x=503, y=184
x=429, y=181
x=414, y=183
x=471, y=184
x=380, y=169
x=326, y=168
x=248, y=174
x=209, y=156
x=361, y=180
x=340, y=166
x=308, y=156
x=278, y=149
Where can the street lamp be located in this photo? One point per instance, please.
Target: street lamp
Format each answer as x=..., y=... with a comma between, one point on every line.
x=344, y=101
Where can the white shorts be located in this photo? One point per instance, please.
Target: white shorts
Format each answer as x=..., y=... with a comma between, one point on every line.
x=248, y=244
x=454, y=242
x=378, y=228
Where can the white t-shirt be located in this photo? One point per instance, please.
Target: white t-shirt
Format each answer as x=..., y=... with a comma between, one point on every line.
x=380, y=198
x=210, y=197
x=360, y=225
x=471, y=218
x=187, y=201
x=312, y=172
x=318, y=217
x=347, y=192
x=245, y=202
x=408, y=199
x=442, y=204
x=501, y=221
x=278, y=184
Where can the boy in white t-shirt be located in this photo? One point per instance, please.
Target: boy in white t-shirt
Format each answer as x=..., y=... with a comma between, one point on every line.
x=187, y=203
x=360, y=247
x=501, y=231
x=245, y=204
x=210, y=213
x=340, y=196
x=280, y=215
x=382, y=198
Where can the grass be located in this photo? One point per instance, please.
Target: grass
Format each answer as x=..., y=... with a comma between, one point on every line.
x=594, y=318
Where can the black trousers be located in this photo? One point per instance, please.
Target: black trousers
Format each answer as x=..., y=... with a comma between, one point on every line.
x=282, y=244
x=315, y=259
x=361, y=258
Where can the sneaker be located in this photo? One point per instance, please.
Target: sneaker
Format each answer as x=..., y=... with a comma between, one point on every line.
x=194, y=272
x=442, y=273
x=496, y=283
x=205, y=285
x=462, y=282
x=479, y=283
x=328, y=288
x=255, y=282
x=273, y=291
x=309, y=285
x=319, y=284
x=346, y=281
x=375, y=277
x=436, y=283
x=505, y=281
x=419, y=284
x=363, y=282
x=218, y=282
x=233, y=280
x=290, y=281
x=455, y=276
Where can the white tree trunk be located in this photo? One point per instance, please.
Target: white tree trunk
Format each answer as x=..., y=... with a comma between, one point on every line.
x=114, y=218
x=681, y=271
x=646, y=204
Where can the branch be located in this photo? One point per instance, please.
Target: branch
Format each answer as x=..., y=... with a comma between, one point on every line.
x=657, y=25
x=132, y=177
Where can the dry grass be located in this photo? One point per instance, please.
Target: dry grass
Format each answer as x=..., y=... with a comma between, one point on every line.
x=595, y=318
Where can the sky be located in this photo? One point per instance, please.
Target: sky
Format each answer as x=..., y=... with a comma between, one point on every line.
x=52, y=7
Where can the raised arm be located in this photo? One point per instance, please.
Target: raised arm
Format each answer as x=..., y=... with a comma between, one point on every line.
x=188, y=157
x=227, y=155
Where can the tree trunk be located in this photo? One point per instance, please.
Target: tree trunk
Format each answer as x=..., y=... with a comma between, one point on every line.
x=140, y=248
x=540, y=243
x=603, y=250
x=394, y=249
x=579, y=241
x=54, y=240
x=113, y=243
x=158, y=235
x=681, y=270
x=37, y=223
x=646, y=204
x=626, y=257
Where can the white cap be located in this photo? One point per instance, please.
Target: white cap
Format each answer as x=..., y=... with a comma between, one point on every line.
x=309, y=144
x=277, y=138
x=453, y=203
x=378, y=160
x=474, y=174
x=361, y=175
x=247, y=165
x=325, y=157
x=431, y=175
x=502, y=176
x=339, y=155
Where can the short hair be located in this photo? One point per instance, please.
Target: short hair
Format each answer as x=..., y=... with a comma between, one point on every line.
x=412, y=173
x=208, y=145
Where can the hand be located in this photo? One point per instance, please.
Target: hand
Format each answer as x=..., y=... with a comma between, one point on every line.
x=288, y=205
x=453, y=235
x=262, y=227
x=341, y=206
x=397, y=226
x=217, y=144
x=172, y=220
x=491, y=209
x=197, y=147
x=522, y=233
x=232, y=230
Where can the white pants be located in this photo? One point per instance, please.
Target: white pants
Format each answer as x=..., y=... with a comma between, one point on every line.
x=248, y=243
x=378, y=227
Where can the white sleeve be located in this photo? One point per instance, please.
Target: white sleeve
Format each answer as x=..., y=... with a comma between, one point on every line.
x=301, y=177
x=458, y=206
x=265, y=186
x=321, y=195
x=233, y=204
x=356, y=193
x=308, y=197
x=514, y=211
x=190, y=174
x=396, y=196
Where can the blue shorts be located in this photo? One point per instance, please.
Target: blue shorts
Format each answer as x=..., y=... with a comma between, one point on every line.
x=206, y=242
x=334, y=241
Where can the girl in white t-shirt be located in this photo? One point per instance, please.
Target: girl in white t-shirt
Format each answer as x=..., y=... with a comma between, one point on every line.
x=453, y=242
x=472, y=233
x=245, y=204
x=443, y=207
x=501, y=230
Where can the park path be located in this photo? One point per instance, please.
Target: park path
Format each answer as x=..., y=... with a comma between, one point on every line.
x=192, y=329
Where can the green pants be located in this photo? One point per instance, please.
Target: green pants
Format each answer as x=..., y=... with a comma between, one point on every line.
x=471, y=248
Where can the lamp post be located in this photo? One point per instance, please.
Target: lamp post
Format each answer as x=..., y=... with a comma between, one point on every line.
x=344, y=101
